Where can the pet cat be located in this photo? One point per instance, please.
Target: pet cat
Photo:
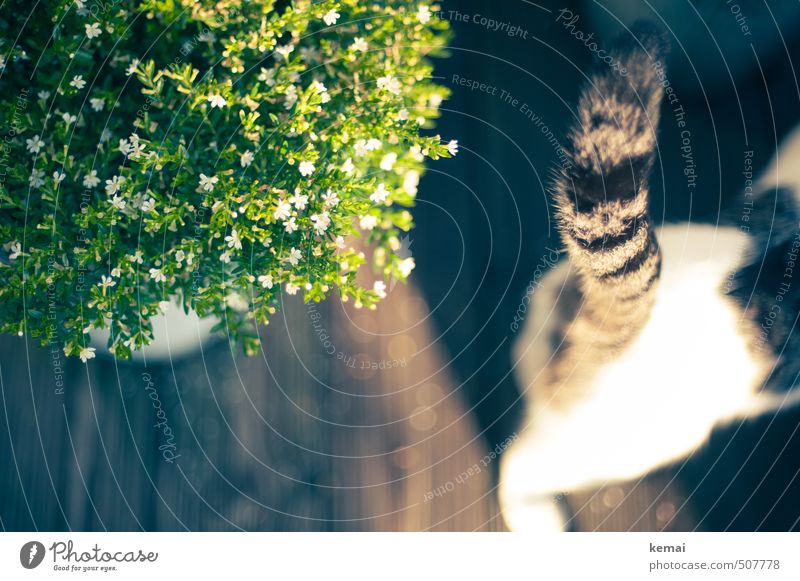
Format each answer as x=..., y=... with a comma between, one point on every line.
x=645, y=339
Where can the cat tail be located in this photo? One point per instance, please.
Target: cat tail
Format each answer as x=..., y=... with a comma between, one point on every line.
x=601, y=195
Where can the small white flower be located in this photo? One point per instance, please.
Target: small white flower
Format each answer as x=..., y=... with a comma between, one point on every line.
x=34, y=144
x=78, y=82
x=325, y=97
x=300, y=202
x=452, y=147
x=380, y=289
x=106, y=282
x=360, y=148
x=225, y=257
x=368, y=222
x=92, y=30
x=86, y=353
x=14, y=249
x=208, y=182
x=388, y=161
x=339, y=242
x=124, y=147
x=290, y=225
x=246, y=158
x=106, y=135
x=36, y=178
x=148, y=205
x=331, y=17
x=116, y=272
x=267, y=76
x=290, y=96
x=309, y=54
x=136, y=257
x=402, y=114
x=306, y=168
x=292, y=288
x=373, y=144
x=58, y=177
x=284, y=50
x=282, y=210
x=266, y=280
x=117, y=203
x=348, y=167
x=233, y=240
x=132, y=67
x=157, y=275
x=406, y=266
x=423, y=14
x=321, y=222
x=380, y=194
x=217, y=100
x=294, y=256
x=97, y=104
x=330, y=199
x=389, y=83
x=132, y=149
x=43, y=95
x=359, y=44
x=410, y=182
x=179, y=256
x=237, y=302
x=114, y=185
x=416, y=153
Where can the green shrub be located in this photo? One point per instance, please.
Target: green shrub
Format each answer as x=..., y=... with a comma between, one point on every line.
x=209, y=153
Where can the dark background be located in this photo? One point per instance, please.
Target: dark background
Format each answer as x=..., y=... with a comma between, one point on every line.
x=482, y=225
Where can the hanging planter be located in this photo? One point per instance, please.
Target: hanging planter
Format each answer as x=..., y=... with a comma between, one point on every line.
x=208, y=155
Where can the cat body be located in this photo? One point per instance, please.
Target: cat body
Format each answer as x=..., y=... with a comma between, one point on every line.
x=645, y=339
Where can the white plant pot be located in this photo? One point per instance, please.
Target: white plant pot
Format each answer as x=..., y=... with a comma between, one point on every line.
x=175, y=335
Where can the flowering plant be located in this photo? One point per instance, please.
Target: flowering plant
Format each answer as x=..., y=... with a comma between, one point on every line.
x=208, y=153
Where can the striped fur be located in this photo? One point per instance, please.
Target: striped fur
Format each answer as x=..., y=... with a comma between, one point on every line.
x=601, y=200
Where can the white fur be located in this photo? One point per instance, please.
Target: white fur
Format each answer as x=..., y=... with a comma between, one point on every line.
x=692, y=353
x=688, y=370
x=783, y=169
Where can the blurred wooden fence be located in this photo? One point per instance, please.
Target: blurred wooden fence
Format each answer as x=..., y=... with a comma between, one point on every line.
x=350, y=420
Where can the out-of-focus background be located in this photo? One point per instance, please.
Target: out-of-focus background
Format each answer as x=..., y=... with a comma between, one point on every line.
x=391, y=420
